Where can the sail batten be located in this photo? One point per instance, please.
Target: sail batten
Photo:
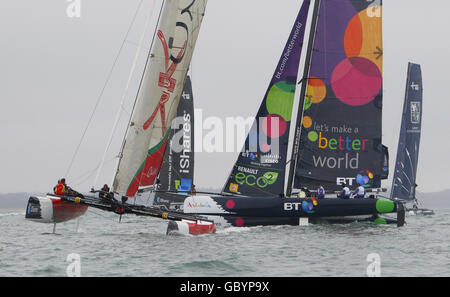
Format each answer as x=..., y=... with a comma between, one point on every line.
x=159, y=95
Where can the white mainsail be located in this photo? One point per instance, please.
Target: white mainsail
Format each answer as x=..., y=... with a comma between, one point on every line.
x=159, y=95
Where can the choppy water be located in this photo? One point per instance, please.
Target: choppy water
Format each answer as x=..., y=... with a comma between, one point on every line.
x=138, y=246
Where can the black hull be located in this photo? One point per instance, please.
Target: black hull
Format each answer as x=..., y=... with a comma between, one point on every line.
x=259, y=211
x=287, y=207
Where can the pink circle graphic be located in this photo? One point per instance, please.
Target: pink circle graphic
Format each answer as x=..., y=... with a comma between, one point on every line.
x=230, y=204
x=239, y=222
x=274, y=126
x=356, y=81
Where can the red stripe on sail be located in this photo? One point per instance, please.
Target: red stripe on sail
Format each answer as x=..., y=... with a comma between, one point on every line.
x=148, y=173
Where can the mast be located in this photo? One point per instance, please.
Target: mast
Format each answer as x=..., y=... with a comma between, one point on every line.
x=304, y=82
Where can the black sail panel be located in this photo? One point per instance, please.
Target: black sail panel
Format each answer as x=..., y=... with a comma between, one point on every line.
x=177, y=172
x=341, y=127
x=404, y=181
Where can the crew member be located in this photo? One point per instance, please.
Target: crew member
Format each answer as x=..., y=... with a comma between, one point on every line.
x=54, y=188
x=359, y=192
x=307, y=192
x=61, y=188
x=345, y=193
x=193, y=190
x=320, y=192
x=105, y=193
x=301, y=194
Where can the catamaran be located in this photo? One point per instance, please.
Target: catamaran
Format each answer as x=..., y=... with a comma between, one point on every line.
x=330, y=127
x=325, y=132
x=141, y=155
x=404, y=181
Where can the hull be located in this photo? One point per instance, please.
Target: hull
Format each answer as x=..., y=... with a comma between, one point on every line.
x=286, y=207
x=254, y=211
x=187, y=227
x=52, y=209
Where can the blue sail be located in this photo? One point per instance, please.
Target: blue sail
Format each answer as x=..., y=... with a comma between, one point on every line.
x=404, y=182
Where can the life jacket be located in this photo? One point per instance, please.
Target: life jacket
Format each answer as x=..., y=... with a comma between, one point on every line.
x=60, y=189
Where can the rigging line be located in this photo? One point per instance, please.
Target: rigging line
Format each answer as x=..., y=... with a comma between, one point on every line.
x=124, y=96
x=84, y=177
x=103, y=89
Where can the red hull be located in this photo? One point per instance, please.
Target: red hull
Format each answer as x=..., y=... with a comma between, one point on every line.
x=65, y=211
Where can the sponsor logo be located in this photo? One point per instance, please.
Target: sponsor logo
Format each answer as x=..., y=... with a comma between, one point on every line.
x=270, y=159
x=309, y=204
x=364, y=178
x=159, y=200
x=306, y=205
x=252, y=180
x=234, y=187
x=349, y=181
x=415, y=86
x=166, y=82
x=247, y=170
x=415, y=112
x=184, y=184
x=292, y=206
x=198, y=205
x=251, y=155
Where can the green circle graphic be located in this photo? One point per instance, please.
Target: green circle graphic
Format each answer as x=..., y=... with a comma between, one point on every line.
x=280, y=99
x=312, y=135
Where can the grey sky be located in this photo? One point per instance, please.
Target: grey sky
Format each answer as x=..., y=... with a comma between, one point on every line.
x=53, y=68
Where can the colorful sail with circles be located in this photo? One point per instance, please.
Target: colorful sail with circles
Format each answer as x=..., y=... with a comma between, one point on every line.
x=260, y=167
x=341, y=126
x=159, y=95
x=404, y=181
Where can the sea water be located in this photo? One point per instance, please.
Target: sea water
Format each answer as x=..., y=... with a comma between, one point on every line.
x=138, y=246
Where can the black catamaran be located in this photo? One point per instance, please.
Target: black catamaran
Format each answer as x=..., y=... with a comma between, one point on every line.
x=404, y=181
x=332, y=129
